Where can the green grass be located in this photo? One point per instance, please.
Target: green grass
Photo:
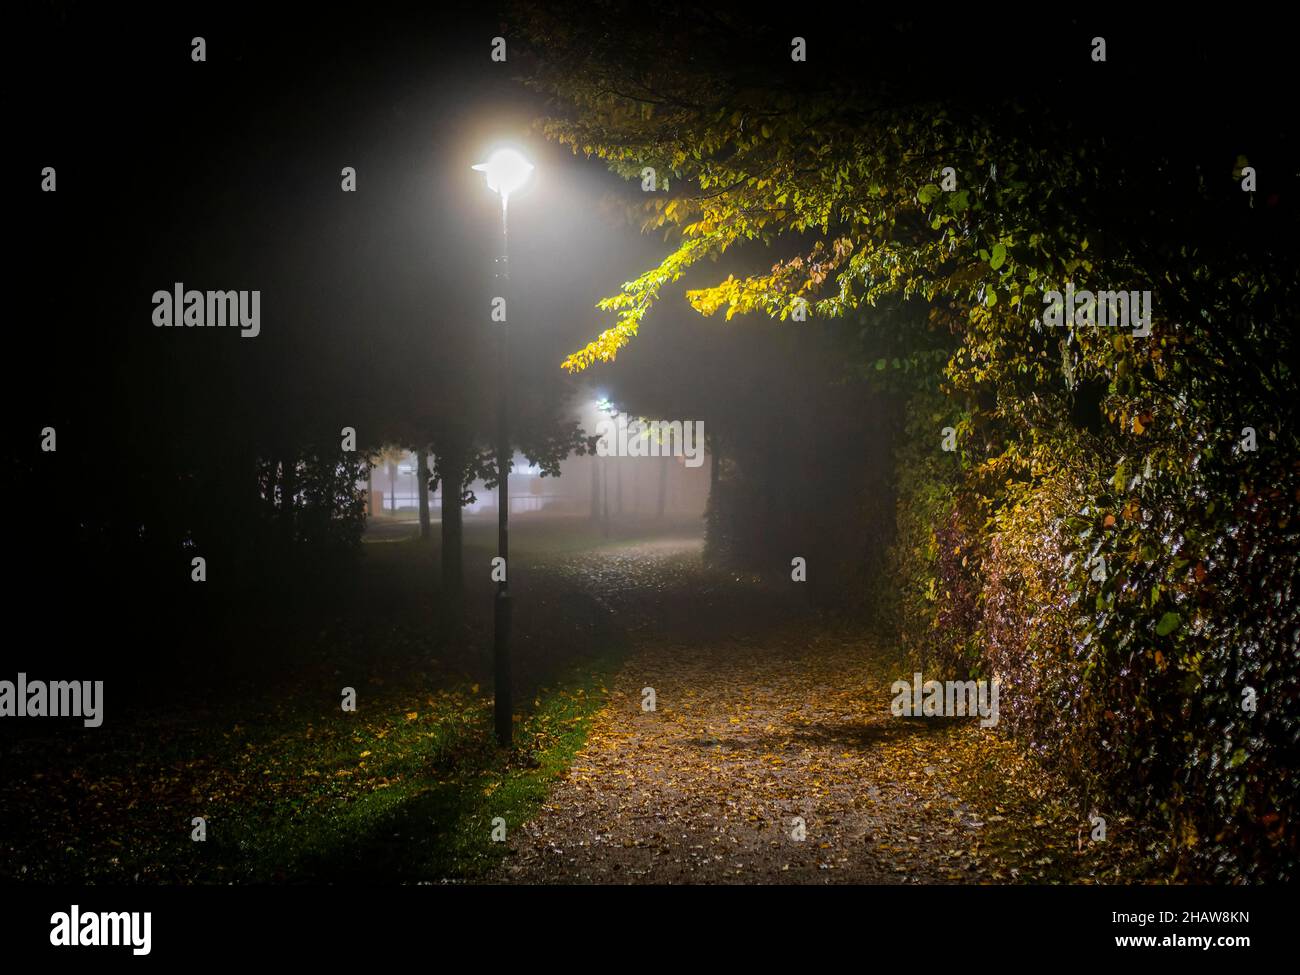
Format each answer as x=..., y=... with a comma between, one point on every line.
x=421, y=804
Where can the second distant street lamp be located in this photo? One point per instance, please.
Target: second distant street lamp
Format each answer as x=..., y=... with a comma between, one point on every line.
x=506, y=171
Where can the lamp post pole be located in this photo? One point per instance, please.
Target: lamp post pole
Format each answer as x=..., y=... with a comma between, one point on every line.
x=503, y=704
x=506, y=171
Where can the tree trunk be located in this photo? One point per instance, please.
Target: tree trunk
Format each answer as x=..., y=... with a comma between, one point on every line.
x=452, y=489
x=663, y=487
x=269, y=500
x=288, y=493
x=604, y=495
x=422, y=489
x=392, y=488
x=715, y=465
x=714, y=542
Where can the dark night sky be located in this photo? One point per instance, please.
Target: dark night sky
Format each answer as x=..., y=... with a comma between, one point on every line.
x=226, y=175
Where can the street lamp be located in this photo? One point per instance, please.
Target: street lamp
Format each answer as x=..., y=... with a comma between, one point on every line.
x=506, y=171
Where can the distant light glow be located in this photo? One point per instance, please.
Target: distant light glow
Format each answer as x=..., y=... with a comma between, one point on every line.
x=506, y=171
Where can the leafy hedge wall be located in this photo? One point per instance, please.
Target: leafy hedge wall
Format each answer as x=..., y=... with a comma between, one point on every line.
x=1138, y=686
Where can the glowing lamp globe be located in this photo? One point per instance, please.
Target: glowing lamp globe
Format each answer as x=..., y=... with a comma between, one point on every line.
x=506, y=171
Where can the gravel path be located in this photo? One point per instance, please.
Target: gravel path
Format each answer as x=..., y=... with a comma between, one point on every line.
x=771, y=757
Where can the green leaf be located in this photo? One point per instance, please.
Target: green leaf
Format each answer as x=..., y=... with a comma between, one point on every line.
x=999, y=255
x=1168, y=623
